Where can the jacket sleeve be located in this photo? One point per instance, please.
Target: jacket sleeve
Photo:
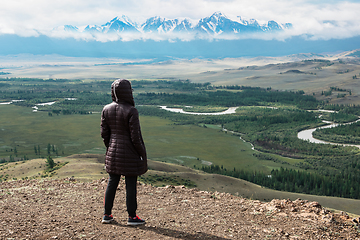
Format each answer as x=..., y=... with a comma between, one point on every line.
x=135, y=134
x=105, y=129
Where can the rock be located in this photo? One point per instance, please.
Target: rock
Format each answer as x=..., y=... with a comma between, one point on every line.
x=344, y=215
x=356, y=221
x=293, y=209
x=313, y=205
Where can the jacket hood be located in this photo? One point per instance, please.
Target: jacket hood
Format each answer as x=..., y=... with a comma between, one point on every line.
x=121, y=91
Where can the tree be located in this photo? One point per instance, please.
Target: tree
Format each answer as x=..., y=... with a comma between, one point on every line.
x=50, y=162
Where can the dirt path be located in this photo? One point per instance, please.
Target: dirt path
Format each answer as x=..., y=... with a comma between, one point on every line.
x=63, y=209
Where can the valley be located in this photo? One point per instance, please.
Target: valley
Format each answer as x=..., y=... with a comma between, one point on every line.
x=270, y=98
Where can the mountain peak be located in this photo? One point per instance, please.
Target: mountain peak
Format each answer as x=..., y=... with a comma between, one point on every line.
x=251, y=22
x=70, y=28
x=218, y=14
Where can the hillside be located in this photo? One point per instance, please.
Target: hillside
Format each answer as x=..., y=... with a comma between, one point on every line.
x=90, y=167
x=67, y=209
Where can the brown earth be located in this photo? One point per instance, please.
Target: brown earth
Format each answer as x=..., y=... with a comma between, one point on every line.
x=67, y=209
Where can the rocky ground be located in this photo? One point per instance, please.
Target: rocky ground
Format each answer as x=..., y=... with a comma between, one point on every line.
x=67, y=209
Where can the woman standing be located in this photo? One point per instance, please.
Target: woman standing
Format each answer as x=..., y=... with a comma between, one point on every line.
x=125, y=148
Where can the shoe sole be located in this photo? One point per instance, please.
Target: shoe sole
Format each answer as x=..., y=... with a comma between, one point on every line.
x=107, y=221
x=135, y=223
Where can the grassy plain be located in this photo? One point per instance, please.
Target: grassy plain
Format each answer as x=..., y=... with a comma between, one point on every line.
x=191, y=145
x=187, y=145
x=22, y=128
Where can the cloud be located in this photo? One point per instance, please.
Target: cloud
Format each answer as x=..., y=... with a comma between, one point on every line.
x=319, y=20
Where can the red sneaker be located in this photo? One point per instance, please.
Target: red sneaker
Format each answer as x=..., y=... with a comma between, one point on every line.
x=134, y=221
x=107, y=219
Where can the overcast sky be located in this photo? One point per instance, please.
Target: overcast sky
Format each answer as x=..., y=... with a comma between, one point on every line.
x=323, y=19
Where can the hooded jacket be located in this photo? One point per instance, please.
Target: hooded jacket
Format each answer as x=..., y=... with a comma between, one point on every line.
x=120, y=131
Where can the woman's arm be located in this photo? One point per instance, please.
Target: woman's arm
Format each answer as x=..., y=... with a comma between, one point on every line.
x=135, y=133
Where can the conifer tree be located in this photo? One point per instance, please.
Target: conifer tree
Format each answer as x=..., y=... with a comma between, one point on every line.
x=50, y=162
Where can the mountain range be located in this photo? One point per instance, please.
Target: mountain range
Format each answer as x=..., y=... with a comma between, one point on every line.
x=158, y=38
x=216, y=25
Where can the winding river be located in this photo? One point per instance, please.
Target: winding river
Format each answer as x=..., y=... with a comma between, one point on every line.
x=180, y=110
x=307, y=134
x=38, y=104
x=304, y=135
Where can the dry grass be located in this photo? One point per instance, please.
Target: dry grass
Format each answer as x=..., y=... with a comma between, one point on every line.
x=83, y=167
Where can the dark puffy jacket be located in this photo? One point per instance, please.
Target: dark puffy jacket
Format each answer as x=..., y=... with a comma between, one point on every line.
x=120, y=130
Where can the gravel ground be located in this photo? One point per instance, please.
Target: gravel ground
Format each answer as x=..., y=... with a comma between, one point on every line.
x=67, y=209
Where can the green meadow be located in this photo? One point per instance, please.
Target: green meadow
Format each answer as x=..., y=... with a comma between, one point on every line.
x=188, y=145
x=23, y=129
x=192, y=145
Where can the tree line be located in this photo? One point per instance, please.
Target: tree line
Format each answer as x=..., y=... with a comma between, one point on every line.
x=347, y=134
x=343, y=184
x=246, y=97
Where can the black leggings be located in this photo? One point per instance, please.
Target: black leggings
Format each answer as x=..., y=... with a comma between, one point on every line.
x=131, y=203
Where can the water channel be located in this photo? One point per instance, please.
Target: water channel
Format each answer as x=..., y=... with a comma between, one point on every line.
x=307, y=134
x=304, y=135
x=180, y=110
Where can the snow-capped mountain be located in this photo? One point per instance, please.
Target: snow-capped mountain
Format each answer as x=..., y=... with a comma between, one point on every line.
x=70, y=28
x=158, y=24
x=123, y=24
x=213, y=26
x=220, y=24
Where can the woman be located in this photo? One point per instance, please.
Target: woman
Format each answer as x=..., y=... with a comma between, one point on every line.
x=125, y=148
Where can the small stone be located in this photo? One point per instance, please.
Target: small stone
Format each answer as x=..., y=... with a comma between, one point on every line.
x=344, y=214
x=314, y=204
x=356, y=221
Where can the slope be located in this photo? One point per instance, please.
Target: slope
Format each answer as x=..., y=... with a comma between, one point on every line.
x=89, y=167
x=67, y=209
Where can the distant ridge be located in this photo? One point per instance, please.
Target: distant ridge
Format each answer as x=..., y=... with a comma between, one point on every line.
x=215, y=26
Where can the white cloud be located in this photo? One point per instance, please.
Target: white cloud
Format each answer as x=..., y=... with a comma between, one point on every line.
x=320, y=20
